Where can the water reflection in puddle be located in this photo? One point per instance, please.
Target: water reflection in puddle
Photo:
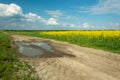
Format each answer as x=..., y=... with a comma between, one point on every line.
x=32, y=49
x=42, y=45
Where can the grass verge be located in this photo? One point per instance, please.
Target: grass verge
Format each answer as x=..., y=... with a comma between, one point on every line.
x=10, y=67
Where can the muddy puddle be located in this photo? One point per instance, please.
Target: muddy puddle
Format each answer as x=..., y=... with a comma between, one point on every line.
x=32, y=49
x=38, y=49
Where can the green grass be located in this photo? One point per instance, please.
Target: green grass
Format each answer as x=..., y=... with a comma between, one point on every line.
x=10, y=67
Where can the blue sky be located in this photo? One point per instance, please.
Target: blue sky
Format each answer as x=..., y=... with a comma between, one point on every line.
x=59, y=14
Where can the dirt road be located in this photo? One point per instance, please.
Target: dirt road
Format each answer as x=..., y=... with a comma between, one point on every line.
x=84, y=64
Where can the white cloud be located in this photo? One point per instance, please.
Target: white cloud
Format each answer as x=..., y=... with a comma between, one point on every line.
x=83, y=10
x=32, y=17
x=52, y=21
x=92, y=26
x=56, y=13
x=10, y=10
x=102, y=7
x=115, y=25
x=64, y=24
x=86, y=25
x=12, y=17
x=68, y=17
x=71, y=18
x=106, y=6
x=72, y=25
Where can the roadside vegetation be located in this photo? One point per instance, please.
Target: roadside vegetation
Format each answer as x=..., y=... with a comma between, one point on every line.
x=105, y=40
x=10, y=67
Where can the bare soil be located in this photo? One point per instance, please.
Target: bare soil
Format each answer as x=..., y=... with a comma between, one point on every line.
x=74, y=62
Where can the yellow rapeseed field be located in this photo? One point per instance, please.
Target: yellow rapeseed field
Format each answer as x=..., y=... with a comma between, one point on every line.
x=105, y=34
